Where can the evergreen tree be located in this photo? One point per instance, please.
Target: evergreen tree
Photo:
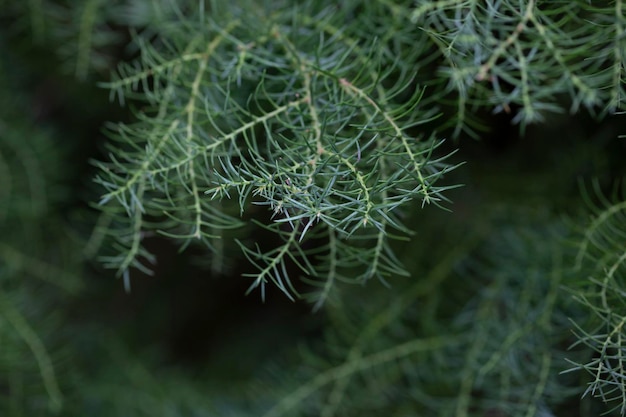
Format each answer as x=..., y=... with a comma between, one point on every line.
x=423, y=201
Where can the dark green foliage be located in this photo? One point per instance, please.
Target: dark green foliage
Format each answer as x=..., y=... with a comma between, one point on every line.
x=300, y=148
x=601, y=257
x=35, y=271
x=281, y=108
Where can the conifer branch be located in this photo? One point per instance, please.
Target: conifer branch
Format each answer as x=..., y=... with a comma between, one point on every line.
x=29, y=336
x=601, y=257
x=309, y=143
x=303, y=137
x=345, y=370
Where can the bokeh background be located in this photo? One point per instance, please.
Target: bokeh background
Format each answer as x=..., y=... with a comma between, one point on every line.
x=189, y=342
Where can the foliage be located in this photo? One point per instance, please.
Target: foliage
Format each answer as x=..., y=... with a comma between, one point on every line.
x=312, y=132
x=35, y=273
x=408, y=356
x=601, y=255
x=308, y=145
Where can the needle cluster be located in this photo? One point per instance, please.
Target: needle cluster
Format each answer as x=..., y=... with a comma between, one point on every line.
x=287, y=108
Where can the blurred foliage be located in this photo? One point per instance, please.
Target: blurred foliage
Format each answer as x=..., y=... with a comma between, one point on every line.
x=509, y=304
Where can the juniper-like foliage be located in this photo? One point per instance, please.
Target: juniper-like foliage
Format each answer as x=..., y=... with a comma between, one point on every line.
x=290, y=108
x=36, y=274
x=602, y=257
x=297, y=147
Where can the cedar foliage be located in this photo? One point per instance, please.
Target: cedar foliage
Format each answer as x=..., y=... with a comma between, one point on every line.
x=460, y=161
